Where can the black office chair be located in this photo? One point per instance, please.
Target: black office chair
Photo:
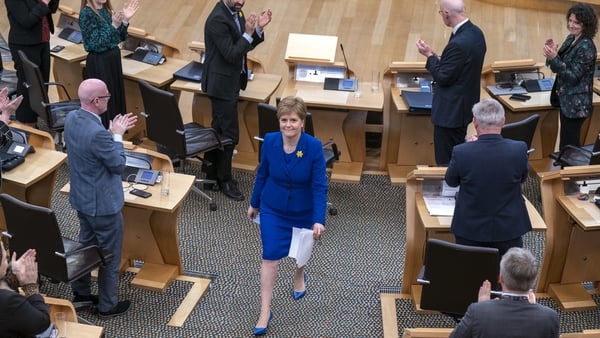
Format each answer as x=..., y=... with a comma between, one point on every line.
x=164, y=126
x=268, y=122
x=59, y=259
x=452, y=274
x=52, y=113
x=522, y=130
x=574, y=156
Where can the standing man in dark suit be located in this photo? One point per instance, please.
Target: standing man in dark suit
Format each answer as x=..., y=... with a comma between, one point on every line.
x=96, y=162
x=516, y=313
x=490, y=209
x=228, y=35
x=457, y=78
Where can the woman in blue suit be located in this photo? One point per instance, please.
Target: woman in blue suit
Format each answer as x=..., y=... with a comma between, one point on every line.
x=291, y=191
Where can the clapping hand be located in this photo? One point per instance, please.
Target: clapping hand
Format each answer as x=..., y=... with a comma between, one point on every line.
x=485, y=291
x=264, y=19
x=250, y=23
x=550, y=49
x=129, y=9
x=25, y=268
x=117, y=19
x=8, y=107
x=121, y=123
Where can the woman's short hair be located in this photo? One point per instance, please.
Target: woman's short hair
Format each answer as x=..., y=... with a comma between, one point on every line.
x=586, y=15
x=292, y=104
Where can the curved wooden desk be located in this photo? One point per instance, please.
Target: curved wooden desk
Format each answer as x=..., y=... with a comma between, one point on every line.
x=33, y=181
x=572, y=250
x=341, y=116
x=420, y=225
x=150, y=232
x=260, y=89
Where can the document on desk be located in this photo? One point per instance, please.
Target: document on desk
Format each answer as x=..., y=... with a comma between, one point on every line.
x=302, y=245
x=439, y=205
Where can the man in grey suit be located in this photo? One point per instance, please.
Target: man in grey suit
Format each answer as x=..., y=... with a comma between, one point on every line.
x=516, y=313
x=457, y=78
x=96, y=161
x=228, y=35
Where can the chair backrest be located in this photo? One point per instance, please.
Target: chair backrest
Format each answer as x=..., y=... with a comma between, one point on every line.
x=38, y=95
x=455, y=272
x=164, y=124
x=32, y=226
x=521, y=130
x=267, y=122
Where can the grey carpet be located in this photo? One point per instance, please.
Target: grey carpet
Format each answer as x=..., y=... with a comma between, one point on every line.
x=360, y=256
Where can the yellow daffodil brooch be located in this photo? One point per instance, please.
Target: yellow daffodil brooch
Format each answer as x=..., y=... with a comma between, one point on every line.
x=299, y=154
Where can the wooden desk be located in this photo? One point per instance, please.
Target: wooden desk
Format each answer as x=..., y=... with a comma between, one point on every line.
x=258, y=90
x=420, y=225
x=65, y=66
x=74, y=329
x=150, y=232
x=33, y=181
x=340, y=116
x=572, y=239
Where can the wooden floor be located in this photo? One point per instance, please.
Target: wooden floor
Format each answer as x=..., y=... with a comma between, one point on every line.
x=374, y=33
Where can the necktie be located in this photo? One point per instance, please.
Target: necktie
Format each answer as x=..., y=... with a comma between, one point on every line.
x=236, y=18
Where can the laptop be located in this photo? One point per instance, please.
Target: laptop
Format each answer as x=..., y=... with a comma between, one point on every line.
x=418, y=102
x=71, y=34
x=146, y=56
x=190, y=72
x=539, y=85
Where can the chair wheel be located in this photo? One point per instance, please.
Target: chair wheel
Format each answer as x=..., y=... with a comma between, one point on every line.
x=333, y=211
x=213, y=206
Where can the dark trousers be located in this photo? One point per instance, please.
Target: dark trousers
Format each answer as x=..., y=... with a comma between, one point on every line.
x=107, y=233
x=444, y=140
x=40, y=55
x=570, y=131
x=107, y=67
x=501, y=246
x=225, y=122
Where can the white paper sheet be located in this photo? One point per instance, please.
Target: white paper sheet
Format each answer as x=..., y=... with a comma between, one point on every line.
x=301, y=246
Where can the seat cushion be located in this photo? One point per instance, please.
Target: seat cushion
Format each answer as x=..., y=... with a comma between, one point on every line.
x=59, y=112
x=199, y=139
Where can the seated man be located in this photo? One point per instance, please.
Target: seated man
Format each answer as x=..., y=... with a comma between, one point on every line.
x=516, y=313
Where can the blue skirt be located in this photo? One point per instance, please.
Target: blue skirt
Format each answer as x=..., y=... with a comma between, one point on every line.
x=276, y=230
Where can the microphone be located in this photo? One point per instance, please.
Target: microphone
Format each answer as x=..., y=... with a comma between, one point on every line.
x=345, y=61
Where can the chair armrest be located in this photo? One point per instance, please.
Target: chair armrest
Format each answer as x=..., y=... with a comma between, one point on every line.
x=58, y=84
x=85, y=248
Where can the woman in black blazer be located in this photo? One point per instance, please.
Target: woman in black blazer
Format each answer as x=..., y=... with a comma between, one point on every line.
x=574, y=64
x=30, y=28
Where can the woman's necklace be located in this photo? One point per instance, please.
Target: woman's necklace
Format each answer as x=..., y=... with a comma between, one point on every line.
x=289, y=147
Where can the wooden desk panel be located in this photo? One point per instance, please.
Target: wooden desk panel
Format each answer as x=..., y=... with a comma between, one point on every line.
x=420, y=225
x=571, y=255
x=33, y=181
x=260, y=89
x=340, y=116
x=65, y=66
x=150, y=233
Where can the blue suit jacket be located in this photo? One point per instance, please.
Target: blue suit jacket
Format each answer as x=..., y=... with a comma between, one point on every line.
x=96, y=163
x=457, y=76
x=490, y=206
x=300, y=186
x=507, y=318
x=226, y=50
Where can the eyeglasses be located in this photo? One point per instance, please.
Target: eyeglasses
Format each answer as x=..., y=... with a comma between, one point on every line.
x=100, y=97
x=440, y=12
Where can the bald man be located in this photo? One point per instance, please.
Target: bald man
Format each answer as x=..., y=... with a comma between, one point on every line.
x=456, y=74
x=96, y=162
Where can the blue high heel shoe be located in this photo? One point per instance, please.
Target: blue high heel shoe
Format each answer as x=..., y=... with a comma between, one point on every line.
x=297, y=295
x=260, y=331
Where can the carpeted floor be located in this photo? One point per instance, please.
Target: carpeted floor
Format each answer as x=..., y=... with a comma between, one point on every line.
x=360, y=256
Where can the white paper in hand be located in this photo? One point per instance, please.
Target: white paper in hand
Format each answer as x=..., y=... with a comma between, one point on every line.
x=301, y=246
